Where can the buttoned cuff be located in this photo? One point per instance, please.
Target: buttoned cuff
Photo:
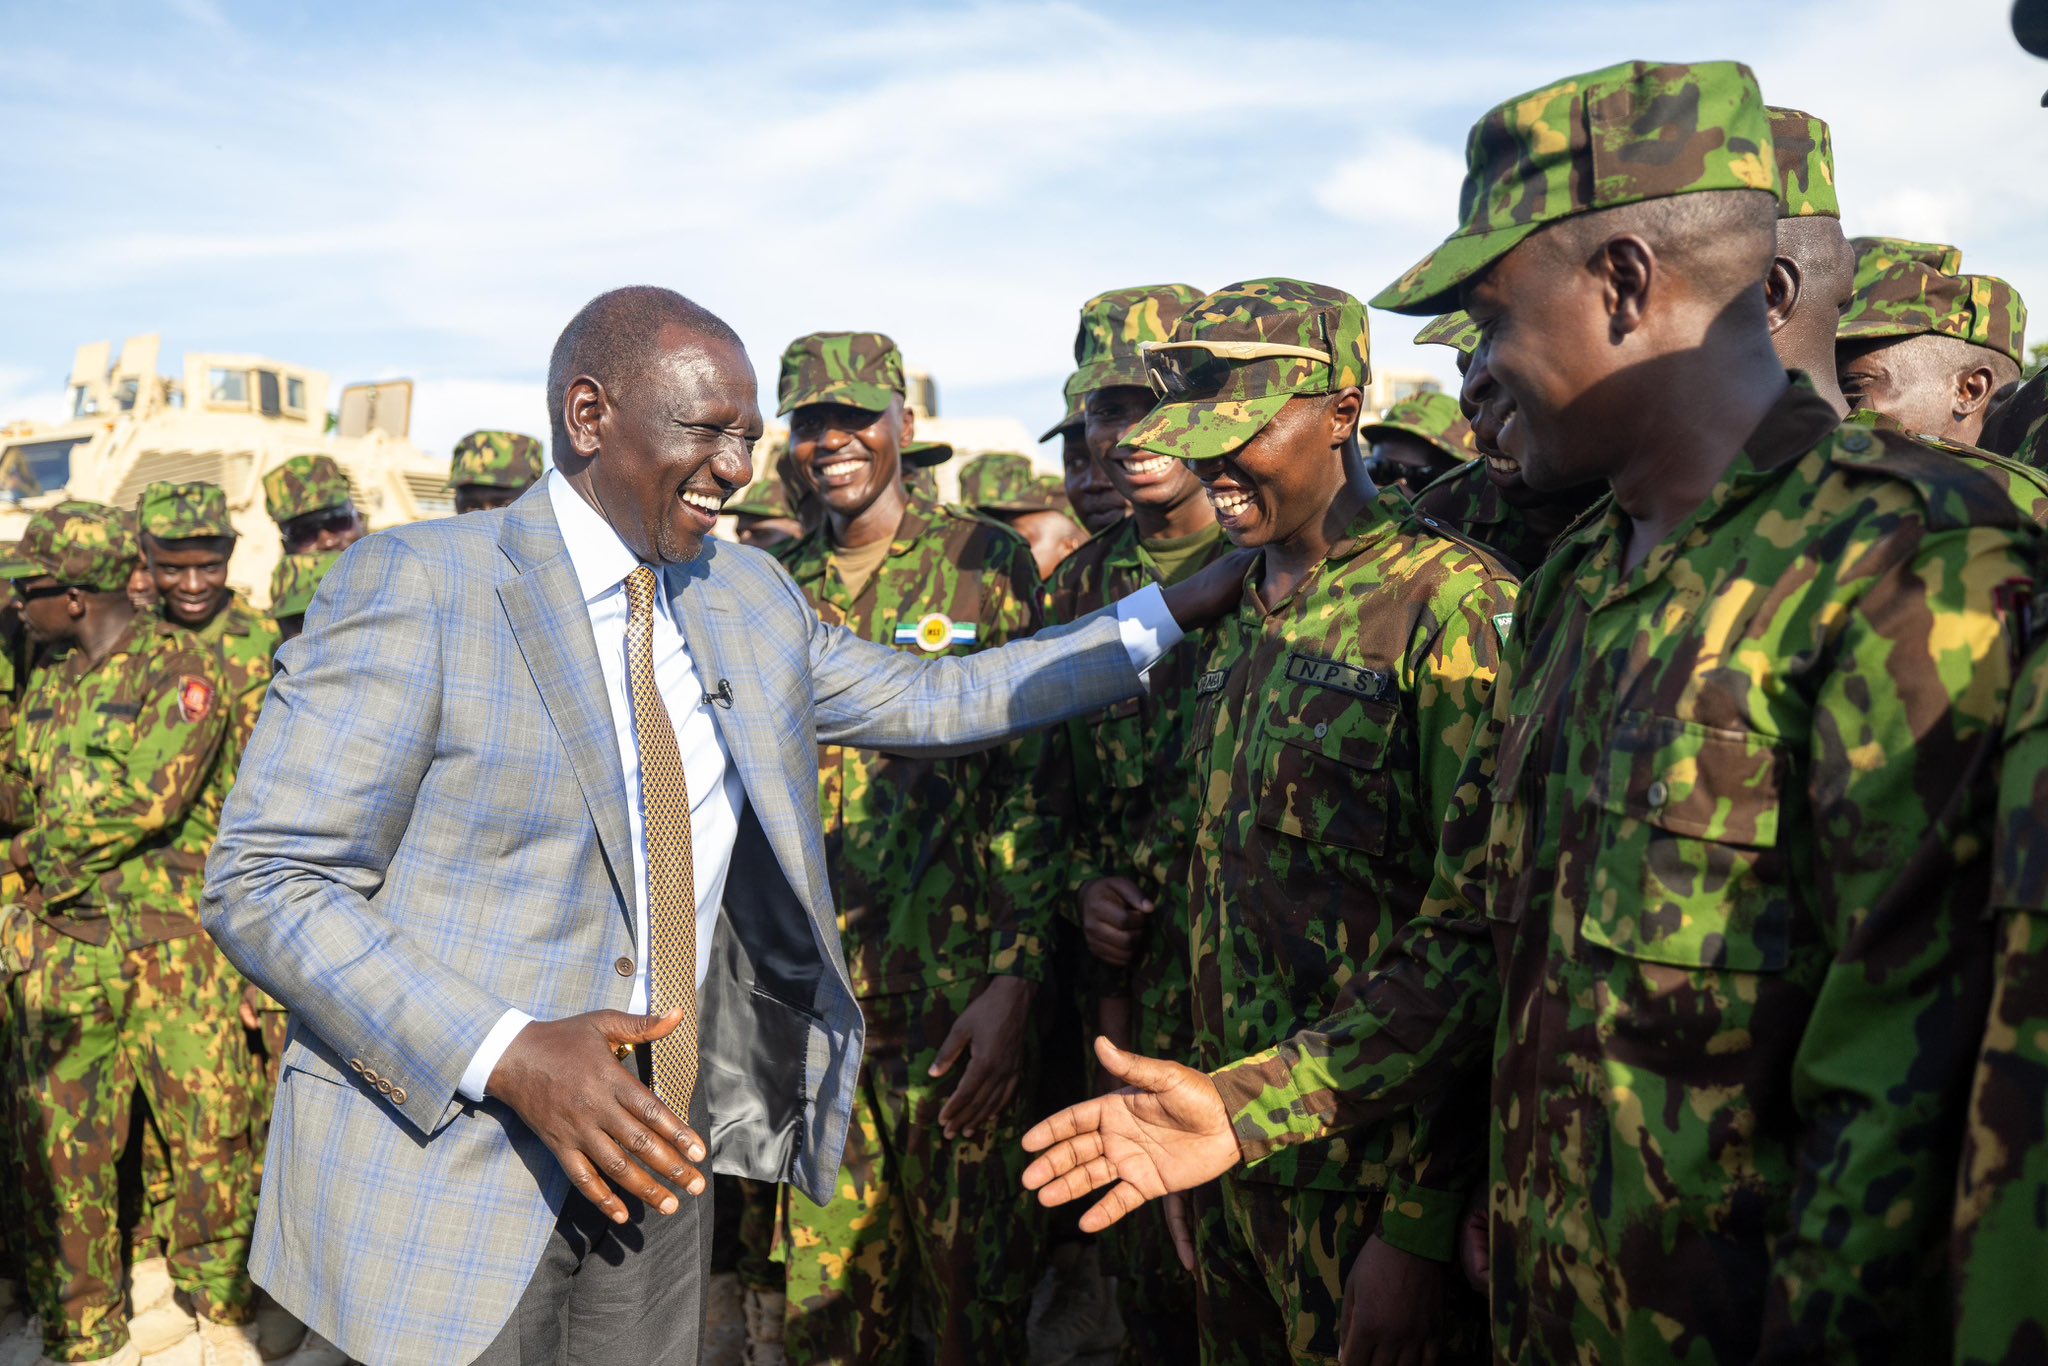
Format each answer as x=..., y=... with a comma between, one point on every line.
x=1147, y=627
x=476, y=1078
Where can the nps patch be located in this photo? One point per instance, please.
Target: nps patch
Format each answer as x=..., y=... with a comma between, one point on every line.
x=1370, y=684
x=195, y=700
x=935, y=631
x=1503, y=622
x=1209, y=682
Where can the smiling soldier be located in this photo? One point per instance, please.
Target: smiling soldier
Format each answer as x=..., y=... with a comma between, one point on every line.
x=944, y=963
x=1329, y=731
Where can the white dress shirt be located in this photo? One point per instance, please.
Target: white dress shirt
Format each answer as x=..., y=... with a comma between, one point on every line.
x=601, y=562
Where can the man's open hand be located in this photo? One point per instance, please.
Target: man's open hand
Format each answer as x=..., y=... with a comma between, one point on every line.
x=991, y=1033
x=1165, y=1131
x=1210, y=594
x=1114, y=914
x=564, y=1080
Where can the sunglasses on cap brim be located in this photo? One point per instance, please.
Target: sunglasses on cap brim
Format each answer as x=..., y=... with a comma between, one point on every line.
x=1184, y=371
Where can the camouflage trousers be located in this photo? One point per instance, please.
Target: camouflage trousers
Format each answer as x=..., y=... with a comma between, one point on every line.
x=760, y=1262
x=919, y=1224
x=1270, y=1263
x=96, y=1026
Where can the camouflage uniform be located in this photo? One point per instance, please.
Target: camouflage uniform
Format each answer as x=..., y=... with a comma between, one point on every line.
x=297, y=578
x=496, y=460
x=120, y=990
x=1430, y=417
x=1911, y=299
x=1709, y=885
x=1804, y=149
x=1005, y=482
x=303, y=485
x=1875, y=256
x=917, y=850
x=2025, y=485
x=2019, y=429
x=1327, y=739
x=2001, y=1240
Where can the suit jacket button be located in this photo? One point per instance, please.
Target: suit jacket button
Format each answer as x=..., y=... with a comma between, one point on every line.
x=398, y=1095
x=356, y=1063
x=624, y=967
x=384, y=1086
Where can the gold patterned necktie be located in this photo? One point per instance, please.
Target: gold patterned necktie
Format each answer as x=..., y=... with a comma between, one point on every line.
x=671, y=871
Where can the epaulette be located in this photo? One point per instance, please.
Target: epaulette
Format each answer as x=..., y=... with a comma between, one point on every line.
x=1942, y=474
x=1486, y=554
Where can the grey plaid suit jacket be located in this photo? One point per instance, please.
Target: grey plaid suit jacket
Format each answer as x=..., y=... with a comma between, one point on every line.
x=430, y=825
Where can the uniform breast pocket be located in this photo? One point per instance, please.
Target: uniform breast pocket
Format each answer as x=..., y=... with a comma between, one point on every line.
x=1689, y=873
x=1325, y=775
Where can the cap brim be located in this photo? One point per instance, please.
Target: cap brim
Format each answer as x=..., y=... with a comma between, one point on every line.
x=1434, y=441
x=869, y=398
x=1204, y=430
x=924, y=455
x=1074, y=418
x=1873, y=327
x=1431, y=284
x=1114, y=373
x=22, y=569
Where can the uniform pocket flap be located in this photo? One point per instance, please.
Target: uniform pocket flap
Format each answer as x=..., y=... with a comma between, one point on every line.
x=1353, y=733
x=1705, y=782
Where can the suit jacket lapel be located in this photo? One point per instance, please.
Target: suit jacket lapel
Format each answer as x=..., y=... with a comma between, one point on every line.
x=544, y=605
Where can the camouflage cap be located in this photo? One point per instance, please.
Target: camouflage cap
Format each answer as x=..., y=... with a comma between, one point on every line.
x=998, y=480
x=765, y=497
x=1455, y=330
x=1239, y=355
x=1636, y=131
x=1115, y=324
x=1429, y=416
x=923, y=455
x=81, y=545
x=1876, y=255
x=182, y=512
x=304, y=484
x=295, y=579
x=1076, y=396
x=859, y=369
x=496, y=460
x=1804, y=150
x=1911, y=300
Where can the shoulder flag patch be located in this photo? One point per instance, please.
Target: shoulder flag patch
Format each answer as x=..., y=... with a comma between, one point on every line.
x=1503, y=622
x=195, y=700
x=935, y=631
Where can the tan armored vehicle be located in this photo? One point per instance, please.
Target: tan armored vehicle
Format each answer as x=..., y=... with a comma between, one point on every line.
x=227, y=421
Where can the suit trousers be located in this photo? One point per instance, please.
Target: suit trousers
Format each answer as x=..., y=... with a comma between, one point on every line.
x=608, y=1293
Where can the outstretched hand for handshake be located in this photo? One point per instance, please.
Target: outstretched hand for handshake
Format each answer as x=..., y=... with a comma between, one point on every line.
x=1165, y=1131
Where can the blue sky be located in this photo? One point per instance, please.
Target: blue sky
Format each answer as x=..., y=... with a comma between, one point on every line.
x=431, y=190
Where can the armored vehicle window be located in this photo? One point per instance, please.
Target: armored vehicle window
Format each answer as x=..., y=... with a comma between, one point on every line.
x=125, y=395
x=266, y=392
x=37, y=466
x=83, y=404
x=294, y=394
x=229, y=388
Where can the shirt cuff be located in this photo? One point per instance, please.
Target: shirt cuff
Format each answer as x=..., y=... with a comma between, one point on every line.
x=1148, y=628
x=477, y=1076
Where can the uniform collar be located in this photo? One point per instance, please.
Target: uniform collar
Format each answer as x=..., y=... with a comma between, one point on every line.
x=808, y=562
x=1369, y=526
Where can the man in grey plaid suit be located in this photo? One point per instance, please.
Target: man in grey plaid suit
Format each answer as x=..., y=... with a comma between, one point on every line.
x=520, y=769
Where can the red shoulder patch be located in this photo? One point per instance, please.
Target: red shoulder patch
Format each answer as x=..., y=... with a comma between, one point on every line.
x=195, y=700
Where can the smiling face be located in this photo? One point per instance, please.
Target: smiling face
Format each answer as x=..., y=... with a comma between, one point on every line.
x=1279, y=483
x=190, y=577
x=663, y=449
x=1095, y=500
x=1142, y=478
x=849, y=456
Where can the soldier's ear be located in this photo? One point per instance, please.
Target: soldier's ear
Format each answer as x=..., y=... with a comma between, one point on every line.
x=1973, y=390
x=1345, y=407
x=1781, y=291
x=74, y=602
x=909, y=422
x=1630, y=275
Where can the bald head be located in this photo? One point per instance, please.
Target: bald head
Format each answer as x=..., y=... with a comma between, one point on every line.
x=616, y=337
x=1932, y=384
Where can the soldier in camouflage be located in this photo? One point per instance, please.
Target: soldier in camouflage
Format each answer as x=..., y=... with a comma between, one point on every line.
x=1710, y=886
x=491, y=469
x=1417, y=442
x=1331, y=720
x=1931, y=350
x=2001, y=1245
x=1113, y=826
x=1094, y=499
x=944, y=964
x=119, y=993
x=17, y=1337
x=1007, y=487
x=1486, y=500
x=309, y=498
x=292, y=585
x=1812, y=277
x=765, y=513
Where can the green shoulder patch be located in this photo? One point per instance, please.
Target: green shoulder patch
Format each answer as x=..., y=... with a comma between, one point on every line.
x=1503, y=622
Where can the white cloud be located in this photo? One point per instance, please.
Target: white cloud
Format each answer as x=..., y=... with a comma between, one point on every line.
x=1398, y=180
x=445, y=408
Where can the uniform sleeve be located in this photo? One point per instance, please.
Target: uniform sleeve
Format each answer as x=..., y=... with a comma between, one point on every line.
x=1020, y=914
x=1422, y=1021
x=1428, y=1189
x=95, y=814
x=2000, y=1251
x=1899, y=776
